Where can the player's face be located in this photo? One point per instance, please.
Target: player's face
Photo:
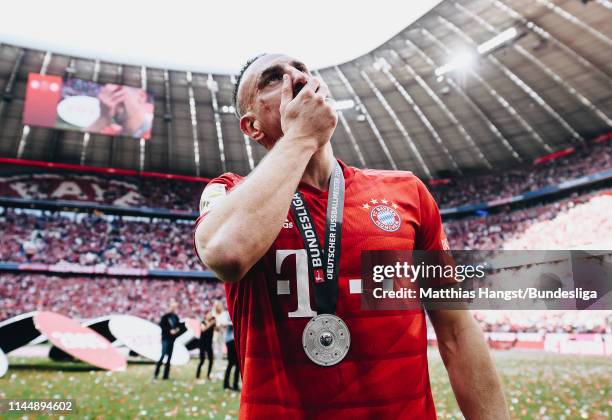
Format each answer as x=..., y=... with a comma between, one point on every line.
x=260, y=93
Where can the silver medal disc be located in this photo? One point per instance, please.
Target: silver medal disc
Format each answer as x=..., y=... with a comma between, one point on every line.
x=326, y=339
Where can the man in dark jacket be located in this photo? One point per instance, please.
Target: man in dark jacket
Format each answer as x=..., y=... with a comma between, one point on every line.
x=169, y=331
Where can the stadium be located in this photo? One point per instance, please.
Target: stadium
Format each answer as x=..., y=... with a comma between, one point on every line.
x=502, y=108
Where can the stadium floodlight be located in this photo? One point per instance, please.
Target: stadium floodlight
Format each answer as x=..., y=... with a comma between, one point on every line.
x=381, y=64
x=461, y=60
x=344, y=104
x=465, y=59
x=497, y=40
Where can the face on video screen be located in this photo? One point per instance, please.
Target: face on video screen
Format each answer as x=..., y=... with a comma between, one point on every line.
x=81, y=105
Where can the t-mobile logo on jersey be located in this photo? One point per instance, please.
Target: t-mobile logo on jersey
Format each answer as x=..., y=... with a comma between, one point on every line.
x=302, y=282
x=301, y=277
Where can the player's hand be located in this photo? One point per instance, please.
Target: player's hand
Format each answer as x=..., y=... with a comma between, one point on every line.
x=133, y=111
x=110, y=96
x=308, y=116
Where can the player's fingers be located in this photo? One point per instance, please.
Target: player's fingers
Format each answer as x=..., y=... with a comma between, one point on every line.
x=286, y=91
x=118, y=96
x=310, y=88
x=324, y=91
x=323, y=95
x=114, y=101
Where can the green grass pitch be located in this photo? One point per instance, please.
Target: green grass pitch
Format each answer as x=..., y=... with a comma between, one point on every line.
x=537, y=386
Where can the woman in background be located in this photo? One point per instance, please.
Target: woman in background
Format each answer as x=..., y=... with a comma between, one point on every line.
x=206, y=339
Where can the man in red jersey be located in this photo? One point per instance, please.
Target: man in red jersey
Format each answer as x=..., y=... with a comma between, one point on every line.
x=255, y=235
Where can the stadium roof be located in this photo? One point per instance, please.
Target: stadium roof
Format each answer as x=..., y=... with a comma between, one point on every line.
x=445, y=96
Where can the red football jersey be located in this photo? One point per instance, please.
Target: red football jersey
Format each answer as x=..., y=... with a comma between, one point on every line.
x=385, y=373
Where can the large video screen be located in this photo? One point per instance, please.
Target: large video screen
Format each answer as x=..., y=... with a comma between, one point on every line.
x=81, y=105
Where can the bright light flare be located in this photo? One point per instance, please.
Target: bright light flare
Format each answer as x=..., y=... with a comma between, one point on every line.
x=460, y=61
x=465, y=59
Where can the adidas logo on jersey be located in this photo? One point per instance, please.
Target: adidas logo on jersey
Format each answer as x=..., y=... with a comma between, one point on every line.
x=287, y=224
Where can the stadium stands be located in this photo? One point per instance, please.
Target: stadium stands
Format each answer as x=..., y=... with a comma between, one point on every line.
x=134, y=191
x=37, y=237
x=584, y=161
x=599, y=322
x=122, y=191
x=86, y=297
x=502, y=230
x=41, y=237
x=586, y=224
x=90, y=240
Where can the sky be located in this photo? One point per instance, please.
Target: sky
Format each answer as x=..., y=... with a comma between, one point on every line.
x=206, y=36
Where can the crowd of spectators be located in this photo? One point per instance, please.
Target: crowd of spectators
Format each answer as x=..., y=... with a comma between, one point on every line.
x=585, y=160
x=91, y=240
x=586, y=224
x=184, y=195
x=598, y=322
x=90, y=297
x=126, y=191
x=588, y=216
x=33, y=236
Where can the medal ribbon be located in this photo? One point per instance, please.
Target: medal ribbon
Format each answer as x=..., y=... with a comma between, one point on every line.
x=323, y=264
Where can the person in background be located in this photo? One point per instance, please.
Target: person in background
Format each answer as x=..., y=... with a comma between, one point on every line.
x=205, y=343
x=222, y=320
x=170, y=330
x=123, y=111
x=232, y=359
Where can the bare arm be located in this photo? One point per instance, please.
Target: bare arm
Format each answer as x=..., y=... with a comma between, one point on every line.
x=465, y=354
x=240, y=228
x=238, y=231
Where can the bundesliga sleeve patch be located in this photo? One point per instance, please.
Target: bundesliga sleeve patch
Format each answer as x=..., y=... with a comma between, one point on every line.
x=210, y=196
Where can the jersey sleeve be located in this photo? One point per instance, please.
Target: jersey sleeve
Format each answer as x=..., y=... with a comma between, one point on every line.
x=214, y=192
x=430, y=235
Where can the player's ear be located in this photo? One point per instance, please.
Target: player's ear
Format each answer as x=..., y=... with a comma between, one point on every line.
x=250, y=126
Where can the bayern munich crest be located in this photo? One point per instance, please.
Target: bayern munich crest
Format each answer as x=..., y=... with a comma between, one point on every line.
x=384, y=215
